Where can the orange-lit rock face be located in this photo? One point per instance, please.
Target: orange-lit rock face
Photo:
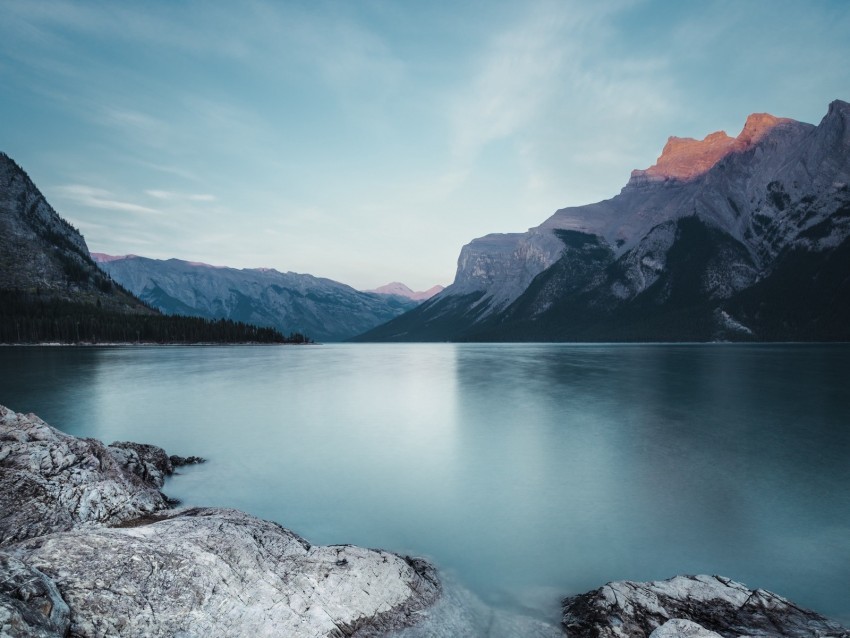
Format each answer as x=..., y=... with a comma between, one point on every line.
x=685, y=158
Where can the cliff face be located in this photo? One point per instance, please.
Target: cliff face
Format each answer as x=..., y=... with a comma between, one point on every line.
x=703, y=239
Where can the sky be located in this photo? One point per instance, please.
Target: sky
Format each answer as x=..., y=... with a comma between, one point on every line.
x=368, y=140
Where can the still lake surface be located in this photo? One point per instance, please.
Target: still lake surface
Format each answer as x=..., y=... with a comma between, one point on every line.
x=525, y=472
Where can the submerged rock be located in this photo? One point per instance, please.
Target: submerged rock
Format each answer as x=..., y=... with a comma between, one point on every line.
x=690, y=606
x=52, y=482
x=218, y=572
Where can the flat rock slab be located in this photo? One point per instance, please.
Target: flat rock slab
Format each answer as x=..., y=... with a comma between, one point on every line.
x=690, y=606
x=218, y=572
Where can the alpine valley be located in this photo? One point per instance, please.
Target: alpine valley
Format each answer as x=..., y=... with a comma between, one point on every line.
x=728, y=238
x=324, y=309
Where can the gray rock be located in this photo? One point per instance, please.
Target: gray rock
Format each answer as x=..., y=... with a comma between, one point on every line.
x=51, y=482
x=149, y=462
x=216, y=572
x=180, y=461
x=30, y=603
x=626, y=609
x=678, y=628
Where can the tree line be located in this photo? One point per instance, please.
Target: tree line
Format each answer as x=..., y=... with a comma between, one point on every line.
x=29, y=318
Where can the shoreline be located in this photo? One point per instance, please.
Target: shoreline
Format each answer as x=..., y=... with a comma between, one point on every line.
x=143, y=344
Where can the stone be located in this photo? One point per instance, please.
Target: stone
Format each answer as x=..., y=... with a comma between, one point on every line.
x=716, y=605
x=30, y=603
x=51, y=481
x=219, y=572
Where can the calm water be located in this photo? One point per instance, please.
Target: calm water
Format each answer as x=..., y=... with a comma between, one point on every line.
x=526, y=472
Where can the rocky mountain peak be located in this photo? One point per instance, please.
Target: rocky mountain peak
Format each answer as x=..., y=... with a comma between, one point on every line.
x=401, y=290
x=757, y=126
x=836, y=122
x=685, y=158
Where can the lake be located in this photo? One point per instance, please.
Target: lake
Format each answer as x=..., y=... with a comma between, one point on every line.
x=525, y=472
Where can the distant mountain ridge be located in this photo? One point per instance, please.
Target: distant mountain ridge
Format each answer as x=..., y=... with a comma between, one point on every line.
x=401, y=290
x=723, y=238
x=324, y=309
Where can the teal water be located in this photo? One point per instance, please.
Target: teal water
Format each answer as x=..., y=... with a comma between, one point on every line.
x=525, y=472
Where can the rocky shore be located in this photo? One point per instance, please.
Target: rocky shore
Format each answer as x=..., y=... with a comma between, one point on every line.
x=690, y=607
x=89, y=546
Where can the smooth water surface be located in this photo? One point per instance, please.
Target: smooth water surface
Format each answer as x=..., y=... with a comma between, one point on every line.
x=526, y=472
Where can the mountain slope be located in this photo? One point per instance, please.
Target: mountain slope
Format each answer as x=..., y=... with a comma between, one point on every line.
x=42, y=253
x=324, y=309
x=52, y=291
x=699, y=246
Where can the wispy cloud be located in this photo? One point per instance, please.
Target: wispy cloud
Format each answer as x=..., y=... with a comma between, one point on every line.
x=100, y=198
x=171, y=196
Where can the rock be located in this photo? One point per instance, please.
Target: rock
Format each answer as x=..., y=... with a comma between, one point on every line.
x=51, y=482
x=149, y=462
x=678, y=628
x=180, y=461
x=30, y=603
x=217, y=572
x=698, y=606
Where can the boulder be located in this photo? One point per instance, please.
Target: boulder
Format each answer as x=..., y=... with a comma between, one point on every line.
x=698, y=606
x=51, y=481
x=218, y=572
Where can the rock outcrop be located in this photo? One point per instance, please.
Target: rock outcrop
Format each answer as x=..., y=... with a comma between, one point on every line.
x=89, y=547
x=215, y=572
x=54, y=482
x=690, y=606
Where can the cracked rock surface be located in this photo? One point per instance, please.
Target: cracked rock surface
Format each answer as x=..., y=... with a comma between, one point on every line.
x=30, y=604
x=220, y=572
x=52, y=482
x=696, y=606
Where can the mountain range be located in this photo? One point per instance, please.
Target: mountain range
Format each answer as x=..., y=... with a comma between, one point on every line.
x=725, y=238
x=324, y=309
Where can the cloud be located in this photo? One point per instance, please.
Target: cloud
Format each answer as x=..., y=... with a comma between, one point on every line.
x=172, y=196
x=100, y=198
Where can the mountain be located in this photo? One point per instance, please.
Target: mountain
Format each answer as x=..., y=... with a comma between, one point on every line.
x=325, y=310
x=724, y=238
x=52, y=291
x=400, y=290
x=42, y=253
